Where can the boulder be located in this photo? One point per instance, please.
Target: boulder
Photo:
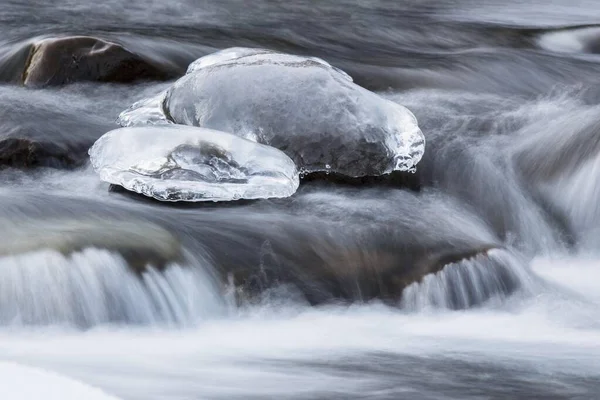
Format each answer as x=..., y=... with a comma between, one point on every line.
x=344, y=247
x=139, y=243
x=60, y=61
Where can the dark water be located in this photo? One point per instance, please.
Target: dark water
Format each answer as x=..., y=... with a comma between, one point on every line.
x=507, y=94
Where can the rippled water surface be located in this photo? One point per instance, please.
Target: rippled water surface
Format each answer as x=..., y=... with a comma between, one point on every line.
x=138, y=298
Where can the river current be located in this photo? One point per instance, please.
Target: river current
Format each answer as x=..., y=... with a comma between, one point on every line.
x=507, y=94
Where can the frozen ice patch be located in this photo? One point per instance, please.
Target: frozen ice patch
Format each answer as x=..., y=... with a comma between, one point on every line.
x=179, y=163
x=303, y=106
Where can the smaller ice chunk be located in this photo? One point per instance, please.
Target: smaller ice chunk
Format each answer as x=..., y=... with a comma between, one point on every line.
x=182, y=163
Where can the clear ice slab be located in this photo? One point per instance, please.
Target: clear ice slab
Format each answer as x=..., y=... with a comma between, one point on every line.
x=182, y=163
x=301, y=105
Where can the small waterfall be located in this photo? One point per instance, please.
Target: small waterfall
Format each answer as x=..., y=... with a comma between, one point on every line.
x=97, y=286
x=469, y=282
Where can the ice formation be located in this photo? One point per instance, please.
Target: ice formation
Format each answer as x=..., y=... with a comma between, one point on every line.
x=235, y=53
x=301, y=105
x=145, y=112
x=174, y=163
x=231, y=53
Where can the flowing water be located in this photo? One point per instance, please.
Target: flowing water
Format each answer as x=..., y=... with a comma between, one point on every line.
x=126, y=294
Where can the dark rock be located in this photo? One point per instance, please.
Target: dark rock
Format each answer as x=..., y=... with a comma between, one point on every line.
x=333, y=272
x=398, y=179
x=141, y=244
x=343, y=248
x=59, y=61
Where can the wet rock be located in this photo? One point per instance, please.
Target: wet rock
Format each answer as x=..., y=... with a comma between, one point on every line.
x=398, y=179
x=140, y=243
x=353, y=248
x=345, y=247
x=60, y=61
x=335, y=272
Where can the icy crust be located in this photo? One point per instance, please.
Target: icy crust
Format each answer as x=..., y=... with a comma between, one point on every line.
x=181, y=163
x=222, y=56
x=234, y=54
x=145, y=112
x=300, y=105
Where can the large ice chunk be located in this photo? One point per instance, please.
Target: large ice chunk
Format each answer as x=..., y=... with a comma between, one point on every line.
x=220, y=56
x=235, y=53
x=300, y=105
x=173, y=163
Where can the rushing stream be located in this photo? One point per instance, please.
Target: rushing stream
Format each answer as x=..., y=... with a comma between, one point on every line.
x=497, y=233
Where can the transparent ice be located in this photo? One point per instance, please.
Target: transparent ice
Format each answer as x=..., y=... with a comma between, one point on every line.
x=175, y=163
x=300, y=105
x=145, y=112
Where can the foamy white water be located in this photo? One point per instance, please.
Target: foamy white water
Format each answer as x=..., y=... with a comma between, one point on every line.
x=334, y=352
x=96, y=300
x=96, y=286
x=19, y=382
x=470, y=282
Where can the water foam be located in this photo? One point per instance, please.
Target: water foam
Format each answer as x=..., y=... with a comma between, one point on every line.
x=470, y=282
x=27, y=383
x=96, y=286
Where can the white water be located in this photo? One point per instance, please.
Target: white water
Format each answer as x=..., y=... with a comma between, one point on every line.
x=96, y=286
x=181, y=341
x=549, y=329
x=21, y=382
x=500, y=140
x=469, y=283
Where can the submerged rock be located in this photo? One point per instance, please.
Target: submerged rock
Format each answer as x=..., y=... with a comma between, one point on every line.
x=174, y=163
x=343, y=246
x=26, y=152
x=59, y=61
x=140, y=243
x=301, y=105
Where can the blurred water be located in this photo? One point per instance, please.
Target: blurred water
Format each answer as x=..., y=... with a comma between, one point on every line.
x=507, y=95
